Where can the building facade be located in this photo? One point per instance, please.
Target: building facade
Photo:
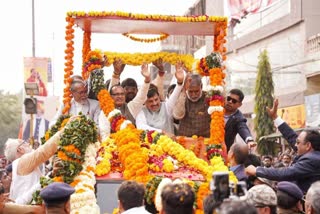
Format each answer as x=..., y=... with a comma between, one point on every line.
x=289, y=31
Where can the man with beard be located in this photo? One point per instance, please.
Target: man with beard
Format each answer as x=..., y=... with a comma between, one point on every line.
x=195, y=120
x=80, y=103
x=192, y=109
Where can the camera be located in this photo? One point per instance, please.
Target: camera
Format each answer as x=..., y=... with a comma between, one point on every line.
x=223, y=189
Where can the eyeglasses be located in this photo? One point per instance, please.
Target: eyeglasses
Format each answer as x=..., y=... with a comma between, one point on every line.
x=234, y=101
x=21, y=144
x=118, y=94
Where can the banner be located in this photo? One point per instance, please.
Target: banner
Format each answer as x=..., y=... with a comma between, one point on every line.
x=240, y=8
x=313, y=110
x=36, y=70
x=295, y=116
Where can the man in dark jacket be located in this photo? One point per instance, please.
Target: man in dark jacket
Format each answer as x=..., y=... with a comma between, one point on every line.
x=235, y=122
x=305, y=170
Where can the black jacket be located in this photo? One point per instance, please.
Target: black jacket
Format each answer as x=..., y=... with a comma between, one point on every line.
x=237, y=124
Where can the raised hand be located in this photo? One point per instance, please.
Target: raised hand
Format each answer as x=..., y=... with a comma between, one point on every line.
x=118, y=66
x=145, y=72
x=273, y=111
x=159, y=64
x=179, y=72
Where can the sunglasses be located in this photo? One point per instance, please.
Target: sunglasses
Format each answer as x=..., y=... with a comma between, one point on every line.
x=234, y=101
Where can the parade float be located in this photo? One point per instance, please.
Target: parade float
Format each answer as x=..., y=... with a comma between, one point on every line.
x=125, y=152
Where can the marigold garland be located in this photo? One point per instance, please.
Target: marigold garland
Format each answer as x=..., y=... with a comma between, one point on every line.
x=162, y=36
x=68, y=64
x=86, y=47
x=106, y=102
x=152, y=17
x=71, y=150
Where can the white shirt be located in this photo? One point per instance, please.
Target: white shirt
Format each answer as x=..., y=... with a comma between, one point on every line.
x=136, y=210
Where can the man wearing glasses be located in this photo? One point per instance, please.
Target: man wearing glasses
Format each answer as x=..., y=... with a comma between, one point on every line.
x=235, y=122
x=25, y=165
x=80, y=103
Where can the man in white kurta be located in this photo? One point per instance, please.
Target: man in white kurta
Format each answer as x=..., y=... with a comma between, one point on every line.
x=80, y=103
x=157, y=115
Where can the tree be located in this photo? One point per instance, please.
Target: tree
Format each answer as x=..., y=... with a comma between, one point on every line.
x=263, y=124
x=10, y=117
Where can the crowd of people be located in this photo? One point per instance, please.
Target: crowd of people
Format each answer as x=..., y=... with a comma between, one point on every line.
x=290, y=184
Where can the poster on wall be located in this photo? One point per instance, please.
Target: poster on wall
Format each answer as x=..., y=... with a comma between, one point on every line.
x=313, y=110
x=36, y=69
x=295, y=116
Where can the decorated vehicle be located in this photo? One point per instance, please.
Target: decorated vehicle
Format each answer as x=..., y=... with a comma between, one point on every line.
x=125, y=152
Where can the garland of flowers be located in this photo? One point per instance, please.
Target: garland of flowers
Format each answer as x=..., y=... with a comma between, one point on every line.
x=106, y=102
x=72, y=147
x=84, y=200
x=162, y=36
x=132, y=156
x=151, y=188
x=68, y=65
x=213, y=60
x=36, y=198
x=137, y=59
x=61, y=122
x=86, y=46
x=106, y=157
x=151, y=17
x=202, y=192
x=93, y=60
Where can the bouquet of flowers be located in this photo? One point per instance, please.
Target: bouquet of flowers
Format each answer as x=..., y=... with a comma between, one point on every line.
x=213, y=60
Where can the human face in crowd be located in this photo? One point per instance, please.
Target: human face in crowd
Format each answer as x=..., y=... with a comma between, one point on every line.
x=80, y=93
x=286, y=160
x=302, y=146
x=130, y=92
x=232, y=103
x=23, y=148
x=118, y=95
x=194, y=92
x=153, y=103
x=267, y=162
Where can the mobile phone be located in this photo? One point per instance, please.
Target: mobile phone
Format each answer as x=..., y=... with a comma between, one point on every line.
x=220, y=185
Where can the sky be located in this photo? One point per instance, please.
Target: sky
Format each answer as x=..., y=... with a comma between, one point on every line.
x=16, y=34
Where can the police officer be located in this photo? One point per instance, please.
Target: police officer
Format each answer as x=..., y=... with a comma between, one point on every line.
x=56, y=197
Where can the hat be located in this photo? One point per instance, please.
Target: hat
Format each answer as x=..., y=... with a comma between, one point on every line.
x=291, y=189
x=56, y=192
x=262, y=195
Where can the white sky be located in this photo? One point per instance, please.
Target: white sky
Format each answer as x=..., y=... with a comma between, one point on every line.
x=16, y=34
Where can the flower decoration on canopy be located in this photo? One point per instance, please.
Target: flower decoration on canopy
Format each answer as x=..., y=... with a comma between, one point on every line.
x=162, y=36
x=94, y=60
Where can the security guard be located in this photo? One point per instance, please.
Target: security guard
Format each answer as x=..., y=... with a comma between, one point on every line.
x=56, y=197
